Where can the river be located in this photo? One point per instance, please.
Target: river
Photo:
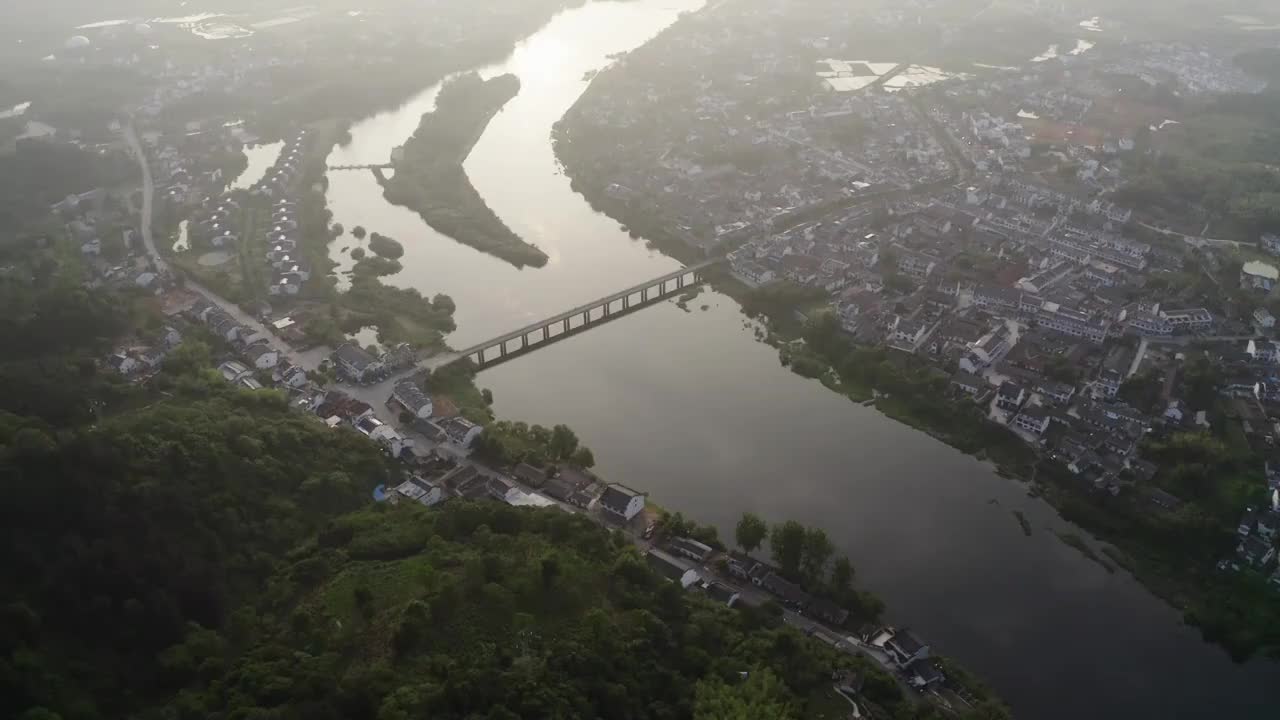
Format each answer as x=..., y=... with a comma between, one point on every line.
x=690, y=407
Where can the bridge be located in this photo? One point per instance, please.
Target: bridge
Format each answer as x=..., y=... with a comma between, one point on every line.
x=372, y=166
x=537, y=335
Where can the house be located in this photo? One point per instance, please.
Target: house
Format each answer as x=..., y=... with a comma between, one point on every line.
x=356, y=363
x=1267, y=351
x=535, y=477
x=1257, y=275
x=741, y=567
x=1269, y=525
x=233, y=370
x=849, y=683
x=171, y=338
x=671, y=569
x=421, y=490
x=294, y=376
x=905, y=648
x=1072, y=322
x=461, y=431
x=721, y=593
x=409, y=396
x=1256, y=551
x=788, y=592
x=1164, y=500
x=1113, y=372
x=1058, y=392
x=1176, y=412
x=987, y=350
x=691, y=548
x=1247, y=522
x=225, y=326
x=1187, y=318
x=555, y=488
x=1272, y=473
x=151, y=357
x=1270, y=242
x=263, y=356
x=923, y=674
x=827, y=611
x=1032, y=419
x=967, y=382
x=1010, y=396
x=621, y=502
x=123, y=363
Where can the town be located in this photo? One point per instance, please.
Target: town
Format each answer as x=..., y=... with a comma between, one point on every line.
x=988, y=226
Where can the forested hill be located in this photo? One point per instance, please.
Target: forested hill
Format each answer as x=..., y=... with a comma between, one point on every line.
x=114, y=538
x=191, y=559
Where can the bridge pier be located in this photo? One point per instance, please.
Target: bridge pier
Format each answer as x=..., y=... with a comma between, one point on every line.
x=546, y=333
x=524, y=342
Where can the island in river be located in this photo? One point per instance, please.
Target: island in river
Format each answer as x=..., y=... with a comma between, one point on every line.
x=429, y=177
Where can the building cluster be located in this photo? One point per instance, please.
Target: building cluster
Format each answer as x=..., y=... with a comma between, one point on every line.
x=261, y=226
x=720, y=164
x=975, y=223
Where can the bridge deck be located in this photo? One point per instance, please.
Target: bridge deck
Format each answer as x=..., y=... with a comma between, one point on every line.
x=584, y=308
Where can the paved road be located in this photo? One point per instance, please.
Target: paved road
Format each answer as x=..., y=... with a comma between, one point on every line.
x=1196, y=240
x=148, y=196
x=235, y=311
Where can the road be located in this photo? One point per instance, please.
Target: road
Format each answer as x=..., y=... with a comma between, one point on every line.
x=1196, y=240
x=162, y=265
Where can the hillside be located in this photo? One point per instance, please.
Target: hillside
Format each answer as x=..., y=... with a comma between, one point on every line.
x=184, y=549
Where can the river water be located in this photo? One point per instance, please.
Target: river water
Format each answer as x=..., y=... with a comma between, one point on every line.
x=690, y=407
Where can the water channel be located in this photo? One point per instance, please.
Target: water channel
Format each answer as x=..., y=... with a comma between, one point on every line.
x=690, y=407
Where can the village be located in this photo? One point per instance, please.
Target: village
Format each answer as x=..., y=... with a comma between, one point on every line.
x=980, y=222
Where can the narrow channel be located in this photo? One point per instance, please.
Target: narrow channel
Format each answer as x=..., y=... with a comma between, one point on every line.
x=689, y=406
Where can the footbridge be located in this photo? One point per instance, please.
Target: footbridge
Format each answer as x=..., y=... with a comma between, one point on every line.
x=572, y=322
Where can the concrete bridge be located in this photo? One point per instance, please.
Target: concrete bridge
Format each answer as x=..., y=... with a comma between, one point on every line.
x=372, y=166
x=577, y=320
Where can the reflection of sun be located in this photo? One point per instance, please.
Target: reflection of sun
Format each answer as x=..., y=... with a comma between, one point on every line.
x=541, y=59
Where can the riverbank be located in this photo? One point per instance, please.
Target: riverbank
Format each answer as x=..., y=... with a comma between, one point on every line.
x=429, y=177
x=1172, y=554
x=513, y=450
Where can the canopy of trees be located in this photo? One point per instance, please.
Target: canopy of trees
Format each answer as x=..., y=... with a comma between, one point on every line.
x=509, y=443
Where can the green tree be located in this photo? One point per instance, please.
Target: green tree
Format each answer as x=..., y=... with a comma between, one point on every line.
x=583, y=457
x=817, y=553
x=563, y=442
x=751, y=532
x=842, y=574
x=761, y=696
x=787, y=544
